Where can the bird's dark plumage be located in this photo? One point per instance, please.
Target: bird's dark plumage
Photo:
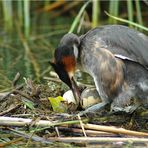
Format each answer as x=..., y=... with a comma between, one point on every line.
x=119, y=40
x=117, y=59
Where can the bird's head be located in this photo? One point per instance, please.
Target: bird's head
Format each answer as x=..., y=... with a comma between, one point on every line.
x=65, y=59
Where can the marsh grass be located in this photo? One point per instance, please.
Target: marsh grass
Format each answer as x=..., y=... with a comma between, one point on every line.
x=27, y=18
x=130, y=11
x=95, y=12
x=7, y=14
x=139, y=12
x=114, y=10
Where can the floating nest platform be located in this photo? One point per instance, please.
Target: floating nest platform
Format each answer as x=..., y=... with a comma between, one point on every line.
x=27, y=119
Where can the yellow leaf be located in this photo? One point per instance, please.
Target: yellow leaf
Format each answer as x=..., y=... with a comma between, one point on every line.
x=57, y=104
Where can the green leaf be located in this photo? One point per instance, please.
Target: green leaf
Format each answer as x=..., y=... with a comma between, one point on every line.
x=29, y=104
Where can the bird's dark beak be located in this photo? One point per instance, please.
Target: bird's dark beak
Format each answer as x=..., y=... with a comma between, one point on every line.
x=63, y=75
x=75, y=91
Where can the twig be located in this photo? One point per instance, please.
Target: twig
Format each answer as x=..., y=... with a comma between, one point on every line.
x=11, y=142
x=114, y=130
x=10, y=109
x=88, y=132
x=23, y=115
x=28, y=135
x=97, y=139
x=11, y=92
x=15, y=80
x=81, y=124
x=57, y=131
x=11, y=121
x=22, y=94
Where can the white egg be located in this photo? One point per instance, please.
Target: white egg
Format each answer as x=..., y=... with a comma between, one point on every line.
x=89, y=97
x=68, y=96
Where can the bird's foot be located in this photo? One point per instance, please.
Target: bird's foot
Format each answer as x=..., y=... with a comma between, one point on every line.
x=93, y=109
